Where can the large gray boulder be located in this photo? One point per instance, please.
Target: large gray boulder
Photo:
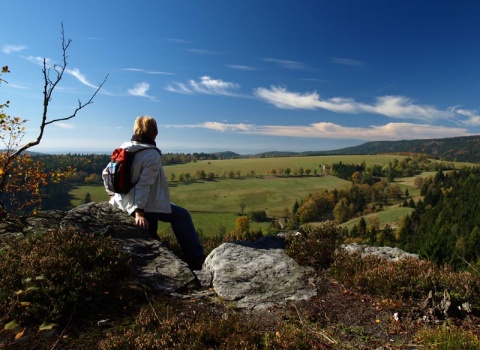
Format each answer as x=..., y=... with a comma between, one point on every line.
x=156, y=266
x=257, y=275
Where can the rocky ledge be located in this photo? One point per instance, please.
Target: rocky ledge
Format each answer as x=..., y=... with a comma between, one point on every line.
x=253, y=275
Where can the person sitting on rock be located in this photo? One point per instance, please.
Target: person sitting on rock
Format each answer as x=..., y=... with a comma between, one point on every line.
x=149, y=200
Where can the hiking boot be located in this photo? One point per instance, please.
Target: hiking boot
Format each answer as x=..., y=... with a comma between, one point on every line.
x=196, y=263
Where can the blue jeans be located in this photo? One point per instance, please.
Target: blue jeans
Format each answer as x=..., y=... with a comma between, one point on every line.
x=183, y=228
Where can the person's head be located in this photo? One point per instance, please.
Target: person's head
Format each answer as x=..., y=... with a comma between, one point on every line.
x=145, y=126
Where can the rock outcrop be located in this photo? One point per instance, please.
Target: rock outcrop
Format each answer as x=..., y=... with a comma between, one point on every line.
x=388, y=253
x=254, y=275
x=249, y=275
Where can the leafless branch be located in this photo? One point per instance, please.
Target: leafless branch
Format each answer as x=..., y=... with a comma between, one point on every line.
x=48, y=89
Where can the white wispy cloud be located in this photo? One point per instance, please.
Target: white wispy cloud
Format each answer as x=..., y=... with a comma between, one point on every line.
x=206, y=85
x=141, y=70
x=39, y=60
x=140, y=90
x=228, y=127
x=204, y=52
x=73, y=72
x=325, y=130
x=347, y=62
x=287, y=64
x=179, y=88
x=390, y=106
x=16, y=86
x=180, y=41
x=472, y=117
x=81, y=77
x=240, y=67
x=63, y=125
x=8, y=49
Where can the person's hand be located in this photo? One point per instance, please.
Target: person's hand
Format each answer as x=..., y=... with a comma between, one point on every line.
x=140, y=220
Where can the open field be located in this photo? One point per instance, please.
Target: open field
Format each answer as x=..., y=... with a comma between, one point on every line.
x=391, y=215
x=263, y=166
x=214, y=204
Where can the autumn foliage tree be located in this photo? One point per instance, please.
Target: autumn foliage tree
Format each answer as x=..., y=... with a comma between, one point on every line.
x=21, y=178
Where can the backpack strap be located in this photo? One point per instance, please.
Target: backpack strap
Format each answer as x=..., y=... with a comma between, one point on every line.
x=143, y=149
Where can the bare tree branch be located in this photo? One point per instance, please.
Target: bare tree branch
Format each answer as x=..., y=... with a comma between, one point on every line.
x=12, y=133
x=48, y=90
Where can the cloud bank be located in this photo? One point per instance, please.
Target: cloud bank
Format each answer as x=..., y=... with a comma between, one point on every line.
x=325, y=130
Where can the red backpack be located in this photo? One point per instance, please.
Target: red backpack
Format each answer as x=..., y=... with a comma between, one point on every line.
x=119, y=170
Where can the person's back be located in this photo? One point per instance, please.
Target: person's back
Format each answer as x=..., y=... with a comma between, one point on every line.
x=149, y=199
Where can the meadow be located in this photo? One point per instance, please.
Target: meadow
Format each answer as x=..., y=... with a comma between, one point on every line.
x=216, y=204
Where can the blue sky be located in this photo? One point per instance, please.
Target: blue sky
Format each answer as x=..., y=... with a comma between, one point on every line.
x=248, y=75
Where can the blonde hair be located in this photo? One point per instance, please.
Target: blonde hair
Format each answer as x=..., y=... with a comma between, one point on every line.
x=145, y=126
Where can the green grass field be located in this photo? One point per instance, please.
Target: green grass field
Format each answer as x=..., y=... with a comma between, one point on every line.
x=262, y=166
x=391, y=215
x=217, y=203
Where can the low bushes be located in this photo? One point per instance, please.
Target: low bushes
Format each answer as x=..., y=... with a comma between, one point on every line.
x=160, y=328
x=46, y=278
x=408, y=277
x=315, y=246
x=446, y=338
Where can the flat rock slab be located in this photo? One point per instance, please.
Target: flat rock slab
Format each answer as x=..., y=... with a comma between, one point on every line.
x=156, y=266
x=387, y=253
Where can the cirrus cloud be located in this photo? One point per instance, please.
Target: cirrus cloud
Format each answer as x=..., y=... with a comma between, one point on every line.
x=8, y=49
x=206, y=85
x=140, y=90
x=326, y=130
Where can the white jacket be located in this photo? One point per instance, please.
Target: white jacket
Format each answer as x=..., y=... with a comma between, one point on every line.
x=150, y=192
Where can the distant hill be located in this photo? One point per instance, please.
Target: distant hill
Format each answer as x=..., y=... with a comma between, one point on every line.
x=227, y=155
x=461, y=149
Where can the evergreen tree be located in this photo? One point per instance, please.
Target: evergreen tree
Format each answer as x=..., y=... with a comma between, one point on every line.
x=411, y=203
x=362, y=227
x=88, y=198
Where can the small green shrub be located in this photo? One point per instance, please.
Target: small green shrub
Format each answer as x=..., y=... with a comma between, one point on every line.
x=447, y=338
x=258, y=215
x=243, y=236
x=44, y=278
x=405, y=278
x=315, y=246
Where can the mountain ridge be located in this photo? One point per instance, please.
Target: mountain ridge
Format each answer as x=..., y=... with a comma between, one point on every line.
x=461, y=149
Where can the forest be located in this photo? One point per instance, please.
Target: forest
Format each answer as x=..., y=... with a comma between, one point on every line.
x=445, y=226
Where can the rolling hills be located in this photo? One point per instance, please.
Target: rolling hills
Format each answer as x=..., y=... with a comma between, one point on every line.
x=461, y=149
